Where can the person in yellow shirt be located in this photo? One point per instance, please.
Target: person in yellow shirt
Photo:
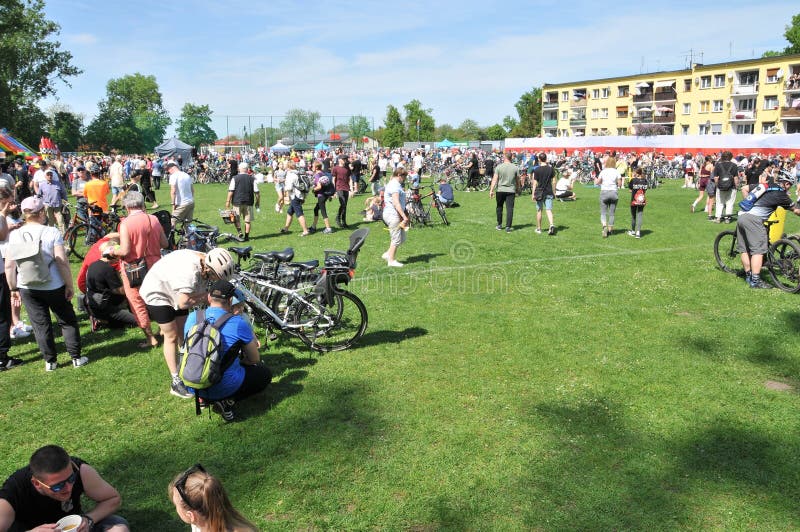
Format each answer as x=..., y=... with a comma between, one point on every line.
x=96, y=190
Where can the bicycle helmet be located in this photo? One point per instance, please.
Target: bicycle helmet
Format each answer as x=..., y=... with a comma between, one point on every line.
x=785, y=177
x=220, y=262
x=93, y=168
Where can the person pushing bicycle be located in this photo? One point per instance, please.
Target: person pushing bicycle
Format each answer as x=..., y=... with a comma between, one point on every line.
x=752, y=239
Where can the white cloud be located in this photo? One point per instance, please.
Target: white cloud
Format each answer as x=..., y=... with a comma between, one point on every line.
x=80, y=38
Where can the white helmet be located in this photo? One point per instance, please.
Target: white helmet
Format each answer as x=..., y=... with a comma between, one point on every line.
x=220, y=262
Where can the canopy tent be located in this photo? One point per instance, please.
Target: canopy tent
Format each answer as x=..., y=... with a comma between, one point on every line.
x=280, y=148
x=301, y=146
x=175, y=148
x=321, y=146
x=445, y=144
x=13, y=146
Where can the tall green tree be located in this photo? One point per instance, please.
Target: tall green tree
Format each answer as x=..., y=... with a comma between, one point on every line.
x=470, y=130
x=394, y=130
x=194, y=125
x=496, y=132
x=31, y=63
x=66, y=130
x=446, y=131
x=509, y=123
x=132, y=117
x=300, y=124
x=419, y=122
x=792, y=35
x=529, y=110
x=358, y=127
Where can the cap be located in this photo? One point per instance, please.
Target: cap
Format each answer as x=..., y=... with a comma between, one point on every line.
x=222, y=290
x=32, y=204
x=170, y=164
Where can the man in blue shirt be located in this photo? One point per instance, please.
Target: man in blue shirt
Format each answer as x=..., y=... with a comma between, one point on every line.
x=53, y=195
x=246, y=375
x=445, y=194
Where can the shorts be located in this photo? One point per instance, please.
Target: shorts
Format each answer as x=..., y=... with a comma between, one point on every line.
x=109, y=522
x=162, y=314
x=547, y=203
x=245, y=211
x=295, y=207
x=117, y=190
x=184, y=212
x=751, y=235
x=703, y=183
x=397, y=235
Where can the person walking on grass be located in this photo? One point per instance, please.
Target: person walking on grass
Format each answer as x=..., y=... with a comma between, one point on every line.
x=323, y=190
x=503, y=188
x=341, y=179
x=638, y=186
x=610, y=181
x=542, y=193
x=394, y=215
x=295, y=199
x=243, y=194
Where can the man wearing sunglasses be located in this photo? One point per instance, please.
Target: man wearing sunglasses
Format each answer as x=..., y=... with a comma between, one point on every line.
x=50, y=488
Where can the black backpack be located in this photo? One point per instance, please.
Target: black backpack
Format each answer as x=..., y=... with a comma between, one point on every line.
x=727, y=171
x=303, y=183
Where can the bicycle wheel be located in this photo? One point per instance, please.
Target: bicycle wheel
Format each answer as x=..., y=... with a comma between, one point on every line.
x=783, y=264
x=441, y=209
x=725, y=252
x=336, y=326
x=460, y=183
x=77, y=238
x=483, y=183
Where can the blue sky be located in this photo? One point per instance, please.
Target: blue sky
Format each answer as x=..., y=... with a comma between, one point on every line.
x=462, y=59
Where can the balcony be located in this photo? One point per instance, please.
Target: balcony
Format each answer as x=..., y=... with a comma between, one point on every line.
x=549, y=123
x=791, y=86
x=579, y=102
x=745, y=90
x=550, y=105
x=790, y=113
x=666, y=96
x=664, y=119
x=577, y=122
x=648, y=119
x=743, y=116
x=643, y=98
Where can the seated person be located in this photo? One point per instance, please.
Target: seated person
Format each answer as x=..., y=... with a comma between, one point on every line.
x=49, y=488
x=246, y=375
x=373, y=209
x=91, y=256
x=413, y=179
x=445, y=194
x=105, y=295
x=564, y=186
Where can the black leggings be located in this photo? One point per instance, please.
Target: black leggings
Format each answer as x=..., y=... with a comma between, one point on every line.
x=343, y=196
x=506, y=198
x=320, y=206
x=256, y=378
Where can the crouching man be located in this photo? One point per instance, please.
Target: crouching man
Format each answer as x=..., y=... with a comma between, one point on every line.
x=50, y=488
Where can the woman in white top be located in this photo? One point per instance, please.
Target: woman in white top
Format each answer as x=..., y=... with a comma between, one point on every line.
x=610, y=181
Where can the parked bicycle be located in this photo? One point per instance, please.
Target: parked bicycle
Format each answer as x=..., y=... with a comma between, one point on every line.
x=419, y=209
x=83, y=234
x=781, y=261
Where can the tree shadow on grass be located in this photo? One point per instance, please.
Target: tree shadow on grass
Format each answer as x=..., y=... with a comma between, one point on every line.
x=389, y=337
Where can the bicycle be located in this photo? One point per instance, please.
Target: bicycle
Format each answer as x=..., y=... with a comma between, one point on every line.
x=302, y=300
x=83, y=235
x=419, y=211
x=782, y=259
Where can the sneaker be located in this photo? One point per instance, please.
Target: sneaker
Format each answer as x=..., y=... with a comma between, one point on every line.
x=10, y=363
x=710, y=218
x=327, y=231
x=605, y=232
x=224, y=408
x=178, y=389
x=631, y=233
x=693, y=207
x=717, y=220
x=499, y=227
x=638, y=234
x=508, y=229
x=312, y=229
x=552, y=230
x=15, y=333
x=22, y=326
x=395, y=264
x=50, y=366
x=277, y=207
x=95, y=323
x=760, y=284
x=305, y=234
x=748, y=277
x=537, y=231
x=79, y=361
x=385, y=256
x=284, y=230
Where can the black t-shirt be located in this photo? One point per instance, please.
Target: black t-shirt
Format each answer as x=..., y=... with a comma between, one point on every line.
x=103, y=279
x=474, y=166
x=326, y=164
x=544, y=180
x=33, y=509
x=488, y=165
x=355, y=167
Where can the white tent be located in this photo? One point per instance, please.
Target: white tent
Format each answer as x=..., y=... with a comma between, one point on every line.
x=280, y=148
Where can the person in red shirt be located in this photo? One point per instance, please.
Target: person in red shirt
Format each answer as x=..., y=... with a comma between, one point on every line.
x=341, y=177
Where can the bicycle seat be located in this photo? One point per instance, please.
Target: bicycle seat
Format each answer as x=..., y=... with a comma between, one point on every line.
x=242, y=252
x=276, y=256
x=307, y=265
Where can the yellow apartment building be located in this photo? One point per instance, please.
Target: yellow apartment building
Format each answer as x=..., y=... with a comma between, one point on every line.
x=738, y=97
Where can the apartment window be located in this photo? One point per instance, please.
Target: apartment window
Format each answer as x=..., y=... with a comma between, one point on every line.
x=770, y=102
x=748, y=78
x=684, y=130
x=595, y=113
x=717, y=106
x=744, y=129
x=622, y=131
x=719, y=80
x=564, y=96
x=747, y=104
x=704, y=129
x=605, y=93
x=594, y=131
x=622, y=111
x=705, y=82
x=687, y=108
x=768, y=127
x=716, y=129
x=704, y=106
x=596, y=93
x=564, y=115
x=687, y=85
x=604, y=112
x=622, y=91
x=772, y=75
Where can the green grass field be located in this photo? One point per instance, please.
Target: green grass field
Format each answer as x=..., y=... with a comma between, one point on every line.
x=505, y=382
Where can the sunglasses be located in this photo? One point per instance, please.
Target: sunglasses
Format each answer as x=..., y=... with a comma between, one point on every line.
x=55, y=488
x=180, y=484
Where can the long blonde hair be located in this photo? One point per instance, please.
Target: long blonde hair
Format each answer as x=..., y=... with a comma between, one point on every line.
x=203, y=494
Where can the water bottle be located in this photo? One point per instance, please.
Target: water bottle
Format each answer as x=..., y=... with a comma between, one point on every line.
x=191, y=237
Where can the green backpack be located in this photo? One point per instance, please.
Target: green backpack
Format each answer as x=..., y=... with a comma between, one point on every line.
x=202, y=360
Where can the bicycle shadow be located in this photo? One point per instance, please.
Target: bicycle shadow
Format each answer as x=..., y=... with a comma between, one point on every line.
x=385, y=337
